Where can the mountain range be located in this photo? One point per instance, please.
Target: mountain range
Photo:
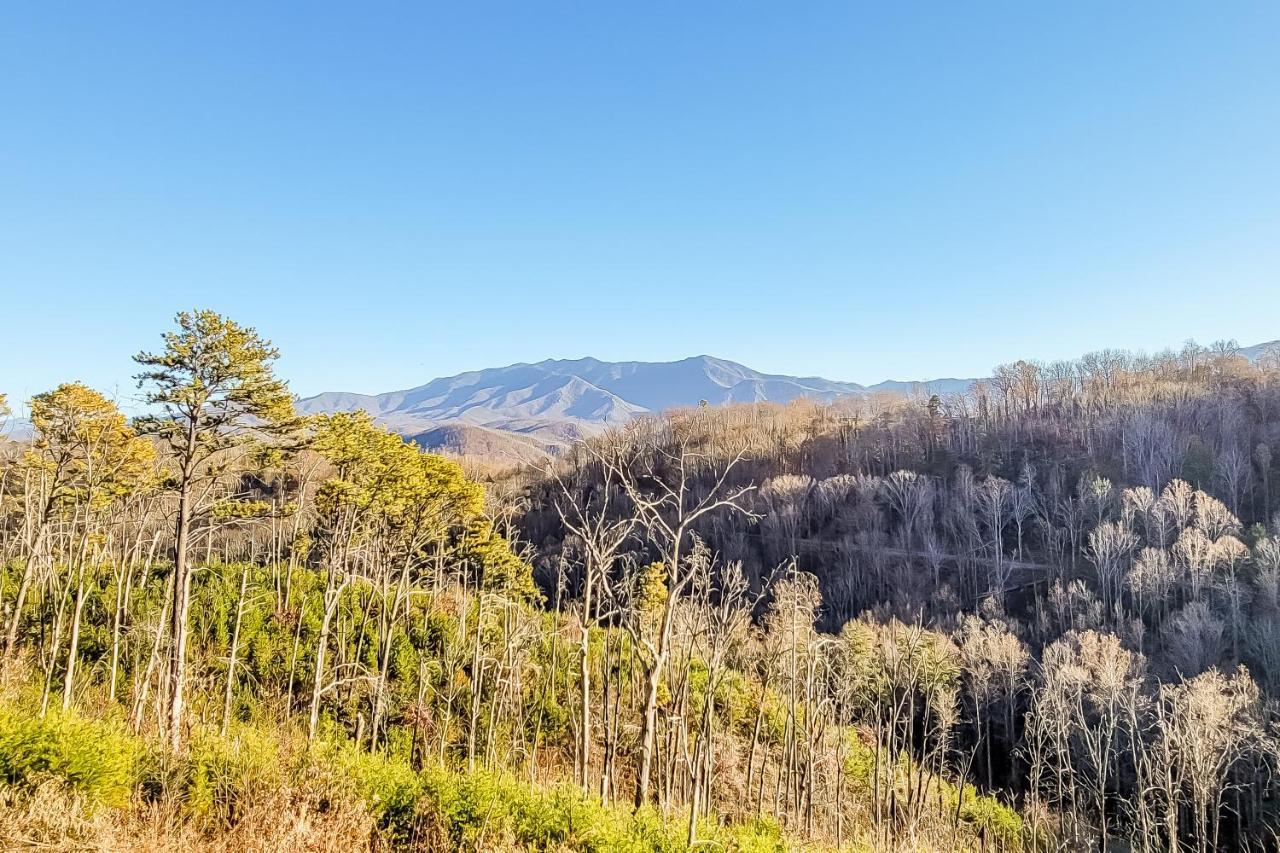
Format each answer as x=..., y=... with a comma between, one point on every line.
x=554, y=402
x=524, y=411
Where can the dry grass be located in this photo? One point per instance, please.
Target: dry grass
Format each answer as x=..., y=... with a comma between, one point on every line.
x=53, y=818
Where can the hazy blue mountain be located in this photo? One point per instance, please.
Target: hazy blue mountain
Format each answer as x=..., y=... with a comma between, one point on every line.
x=928, y=386
x=552, y=403
x=1256, y=350
x=580, y=395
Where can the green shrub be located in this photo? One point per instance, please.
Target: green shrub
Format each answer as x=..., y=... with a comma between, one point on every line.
x=994, y=817
x=984, y=813
x=762, y=835
x=484, y=810
x=221, y=774
x=859, y=762
x=388, y=786
x=97, y=758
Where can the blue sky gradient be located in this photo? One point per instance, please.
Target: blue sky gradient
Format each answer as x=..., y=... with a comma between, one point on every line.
x=393, y=192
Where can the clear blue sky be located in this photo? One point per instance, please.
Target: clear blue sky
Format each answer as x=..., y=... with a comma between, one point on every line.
x=397, y=191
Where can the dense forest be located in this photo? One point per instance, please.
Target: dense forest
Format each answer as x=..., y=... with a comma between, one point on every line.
x=1040, y=615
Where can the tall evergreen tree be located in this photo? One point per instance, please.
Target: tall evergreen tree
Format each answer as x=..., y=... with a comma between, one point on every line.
x=215, y=389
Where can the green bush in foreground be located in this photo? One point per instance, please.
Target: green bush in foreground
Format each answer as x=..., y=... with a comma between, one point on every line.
x=437, y=808
x=443, y=808
x=220, y=774
x=97, y=758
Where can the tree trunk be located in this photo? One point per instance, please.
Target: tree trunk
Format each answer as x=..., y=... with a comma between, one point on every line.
x=142, y=687
x=330, y=607
x=123, y=588
x=179, y=616
x=235, y=647
x=73, y=647
x=15, y=621
x=650, y=730
x=584, y=686
x=11, y=640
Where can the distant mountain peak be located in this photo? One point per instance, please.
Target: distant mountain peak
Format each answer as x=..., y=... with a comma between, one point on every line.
x=557, y=400
x=576, y=396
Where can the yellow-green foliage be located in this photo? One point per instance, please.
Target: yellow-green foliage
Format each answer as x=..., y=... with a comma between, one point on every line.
x=84, y=445
x=389, y=787
x=653, y=589
x=221, y=773
x=495, y=811
x=735, y=697
x=393, y=481
x=230, y=509
x=981, y=812
x=441, y=808
x=217, y=782
x=498, y=568
x=859, y=762
x=95, y=757
x=984, y=813
x=407, y=498
x=775, y=718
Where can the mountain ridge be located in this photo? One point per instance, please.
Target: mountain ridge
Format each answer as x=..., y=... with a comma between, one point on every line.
x=560, y=401
x=555, y=401
x=551, y=403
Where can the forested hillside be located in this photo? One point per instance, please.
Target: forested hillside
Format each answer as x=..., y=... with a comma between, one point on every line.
x=1092, y=546
x=1044, y=615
